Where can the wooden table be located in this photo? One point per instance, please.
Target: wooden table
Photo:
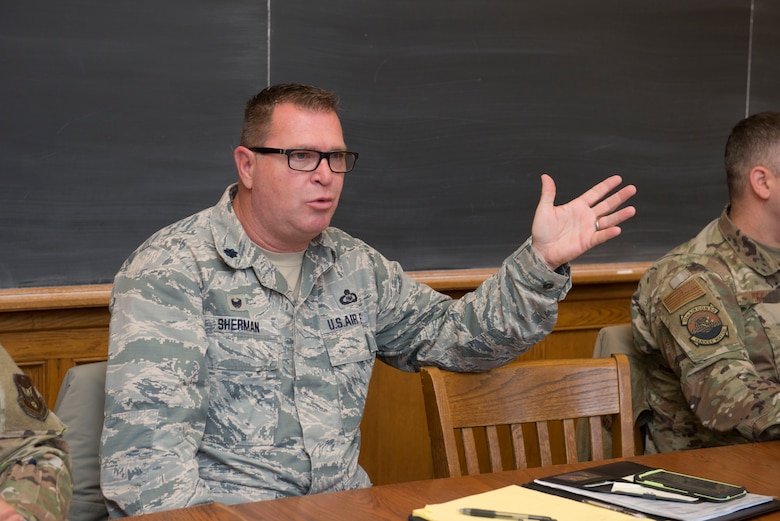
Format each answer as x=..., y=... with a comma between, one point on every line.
x=754, y=466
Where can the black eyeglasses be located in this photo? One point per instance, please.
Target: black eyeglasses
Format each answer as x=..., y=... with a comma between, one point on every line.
x=302, y=160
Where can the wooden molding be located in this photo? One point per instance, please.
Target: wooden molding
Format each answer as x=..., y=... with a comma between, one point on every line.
x=55, y=297
x=98, y=295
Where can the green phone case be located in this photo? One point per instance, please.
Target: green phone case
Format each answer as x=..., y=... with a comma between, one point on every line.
x=706, y=489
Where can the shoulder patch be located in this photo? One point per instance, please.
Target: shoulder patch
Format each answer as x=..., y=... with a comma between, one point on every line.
x=704, y=325
x=684, y=294
x=29, y=399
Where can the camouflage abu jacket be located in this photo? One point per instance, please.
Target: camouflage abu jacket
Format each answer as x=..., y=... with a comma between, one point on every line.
x=708, y=316
x=222, y=386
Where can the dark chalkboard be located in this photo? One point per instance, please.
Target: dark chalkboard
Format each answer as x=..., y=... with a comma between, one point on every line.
x=119, y=118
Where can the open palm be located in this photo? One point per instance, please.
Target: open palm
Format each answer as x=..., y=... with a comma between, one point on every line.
x=563, y=233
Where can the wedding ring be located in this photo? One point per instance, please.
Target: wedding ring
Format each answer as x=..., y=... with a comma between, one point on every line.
x=597, y=224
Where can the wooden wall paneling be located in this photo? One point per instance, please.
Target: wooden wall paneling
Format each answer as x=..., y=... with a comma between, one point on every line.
x=45, y=343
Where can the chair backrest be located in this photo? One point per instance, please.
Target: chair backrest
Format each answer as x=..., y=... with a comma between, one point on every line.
x=480, y=422
x=615, y=339
x=80, y=406
x=620, y=339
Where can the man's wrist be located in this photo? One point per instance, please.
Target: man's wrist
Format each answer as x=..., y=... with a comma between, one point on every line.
x=540, y=255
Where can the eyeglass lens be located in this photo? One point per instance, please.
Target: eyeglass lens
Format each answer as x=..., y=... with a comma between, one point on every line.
x=308, y=160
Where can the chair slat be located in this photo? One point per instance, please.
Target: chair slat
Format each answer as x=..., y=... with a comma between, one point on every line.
x=518, y=446
x=545, y=451
x=470, y=451
x=596, y=439
x=494, y=448
x=570, y=440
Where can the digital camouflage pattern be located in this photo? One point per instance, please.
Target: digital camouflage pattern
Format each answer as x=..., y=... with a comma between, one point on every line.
x=223, y=386
x=707, y=315
x=35, y=473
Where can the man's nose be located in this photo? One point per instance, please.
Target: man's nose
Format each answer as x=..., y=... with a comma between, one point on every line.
x=322, y=174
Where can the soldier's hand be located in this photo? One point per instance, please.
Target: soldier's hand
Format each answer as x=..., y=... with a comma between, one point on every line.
x=560, y=234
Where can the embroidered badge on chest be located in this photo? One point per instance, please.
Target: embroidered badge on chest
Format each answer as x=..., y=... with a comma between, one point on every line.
x=704, y=325
x=348, y=298
x=30, y=400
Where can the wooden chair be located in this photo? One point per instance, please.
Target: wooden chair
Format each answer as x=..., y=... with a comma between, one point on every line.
x=484, y=419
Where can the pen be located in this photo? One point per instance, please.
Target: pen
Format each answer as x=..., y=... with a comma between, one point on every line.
x=614, y=508
x=479, y=512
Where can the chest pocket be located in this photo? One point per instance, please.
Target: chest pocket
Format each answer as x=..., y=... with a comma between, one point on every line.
x=351, y=351
x=245, y=385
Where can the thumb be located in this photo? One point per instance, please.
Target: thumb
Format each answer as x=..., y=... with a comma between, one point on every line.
x=547, y=198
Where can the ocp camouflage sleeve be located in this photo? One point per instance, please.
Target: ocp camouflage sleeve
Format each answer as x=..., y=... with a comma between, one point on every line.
x=35, y=465
x=708, y=317
x=38, y=481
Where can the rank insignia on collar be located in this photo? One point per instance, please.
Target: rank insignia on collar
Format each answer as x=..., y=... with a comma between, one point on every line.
x=704, y=325
x=30, y=400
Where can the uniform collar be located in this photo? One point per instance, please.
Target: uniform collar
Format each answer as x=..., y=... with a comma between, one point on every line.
x=237, y=250
x=752, y=253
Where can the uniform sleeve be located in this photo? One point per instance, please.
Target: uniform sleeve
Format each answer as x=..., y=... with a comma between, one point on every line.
x=156, y=388
x=701, y=334
x=506, y=315
x=39, y=483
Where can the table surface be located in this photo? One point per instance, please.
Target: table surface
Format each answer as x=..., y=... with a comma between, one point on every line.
x=755, y=466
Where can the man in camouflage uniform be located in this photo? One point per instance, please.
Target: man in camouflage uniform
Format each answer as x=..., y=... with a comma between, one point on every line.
x=708, y=313
x=35, y=473
x=243, y=338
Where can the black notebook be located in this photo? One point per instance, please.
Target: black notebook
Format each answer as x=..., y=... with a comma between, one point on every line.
x=592, y=478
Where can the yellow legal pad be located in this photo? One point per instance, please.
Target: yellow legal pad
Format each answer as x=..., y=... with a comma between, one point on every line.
x=522, y=501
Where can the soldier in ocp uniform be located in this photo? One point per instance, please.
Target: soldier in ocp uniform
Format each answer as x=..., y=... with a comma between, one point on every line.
x=707, y=314
x=35, y=471
x=243, y=338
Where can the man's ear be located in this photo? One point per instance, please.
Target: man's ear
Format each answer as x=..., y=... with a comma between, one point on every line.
x=763, y=181
x=245, y=161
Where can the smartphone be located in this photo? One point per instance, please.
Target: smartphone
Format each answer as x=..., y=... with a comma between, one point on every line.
x=702, y=488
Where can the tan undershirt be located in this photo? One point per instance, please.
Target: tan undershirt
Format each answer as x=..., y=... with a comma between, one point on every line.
x=289, y=265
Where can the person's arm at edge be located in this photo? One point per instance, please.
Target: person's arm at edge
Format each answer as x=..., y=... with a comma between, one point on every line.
x=44, y=485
